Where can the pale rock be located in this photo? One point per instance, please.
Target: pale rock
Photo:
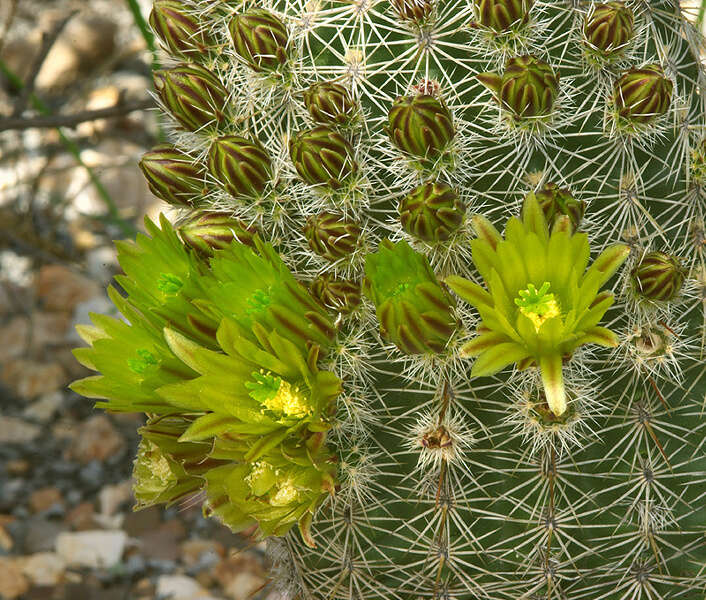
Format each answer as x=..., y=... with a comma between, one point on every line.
x=44, y=498
x=198, y=551
x=13, y=583
x=180, y=587
x=15, y=338
x=29, y=379
x=116, y=162
x=95, y=439
x=61, y=68
x=43, y=409
x=240, y=575
x=92, y=37
x=48, y=329
x=17, y=431
x=101, y=264
x=112, y=496
x=44, y=568
x=95, y=549
x=61, y=289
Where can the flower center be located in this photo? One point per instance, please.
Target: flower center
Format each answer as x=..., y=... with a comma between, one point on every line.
x=538, y=305
x=277, y=395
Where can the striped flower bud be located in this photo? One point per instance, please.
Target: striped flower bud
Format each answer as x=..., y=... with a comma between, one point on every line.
x=431, y=212
x=172, y=175
x=658, y=276
x=322, y=156
x=260, y=39
x=502, y=15
x=339, y=295
x=413, y=309
x=205, y=232
x=242, y=167
x=193, y=95
x=329, y=102
x=642, y=95
x=416, y=11
x=331, y=235
x=420, y=125
x=527, y=88
x=556, y=202
x=609, y=28
x=698, y=163
x=180, y=31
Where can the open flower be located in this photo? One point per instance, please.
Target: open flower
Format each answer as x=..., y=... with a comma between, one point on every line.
x=221, y=354
x=540, y=303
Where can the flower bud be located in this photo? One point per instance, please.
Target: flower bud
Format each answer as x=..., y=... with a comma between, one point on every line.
x=193, y=95
x=527, y=88
x=205, y=232
x=431, y=212
x=331, y=235
x=413, y=309
x=698, y=163
x=502, y=15
x=339, y=295
x=322, y=156
x=609, y=28
x=416, y=11
x=172, y=175
x=260, y=39
x=556, y=202
x=179, y=30
x=329, y=102
x=420, y=125
x=658, y=276
x=642, y=95
x=242, y=167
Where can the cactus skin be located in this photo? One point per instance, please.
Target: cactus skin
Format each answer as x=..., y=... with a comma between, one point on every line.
x=329, y=103
x=658, y=276
x=431, y=212
x=241, y=166
x=260, y=39
x=501, y=15
x=609, y=28
x=172, y=175
x=332, y=236
x=425, y=480
x=322, y=156
x=555, y=202
x=420, y=125
x=193, y=95
x=642, y=95
x=527, y=87
x=181, y=33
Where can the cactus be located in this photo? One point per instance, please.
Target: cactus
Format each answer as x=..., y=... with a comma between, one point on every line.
x=431, y=312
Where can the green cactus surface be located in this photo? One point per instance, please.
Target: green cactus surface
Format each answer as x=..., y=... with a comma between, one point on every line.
x=426, y=309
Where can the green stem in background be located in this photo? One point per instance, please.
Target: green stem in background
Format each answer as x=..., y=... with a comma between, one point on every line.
x=148, y=36
x=700, y=16
x=126, y=228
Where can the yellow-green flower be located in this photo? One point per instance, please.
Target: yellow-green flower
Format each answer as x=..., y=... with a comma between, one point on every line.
x=540, y=302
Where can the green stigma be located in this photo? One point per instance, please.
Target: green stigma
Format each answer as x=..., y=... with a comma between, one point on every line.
x=277, y=395
x=169, y=284
x=258, y=301
x=145, y=361
x=538, y=305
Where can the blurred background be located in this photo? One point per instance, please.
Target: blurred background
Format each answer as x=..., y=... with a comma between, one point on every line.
x=75, y=116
